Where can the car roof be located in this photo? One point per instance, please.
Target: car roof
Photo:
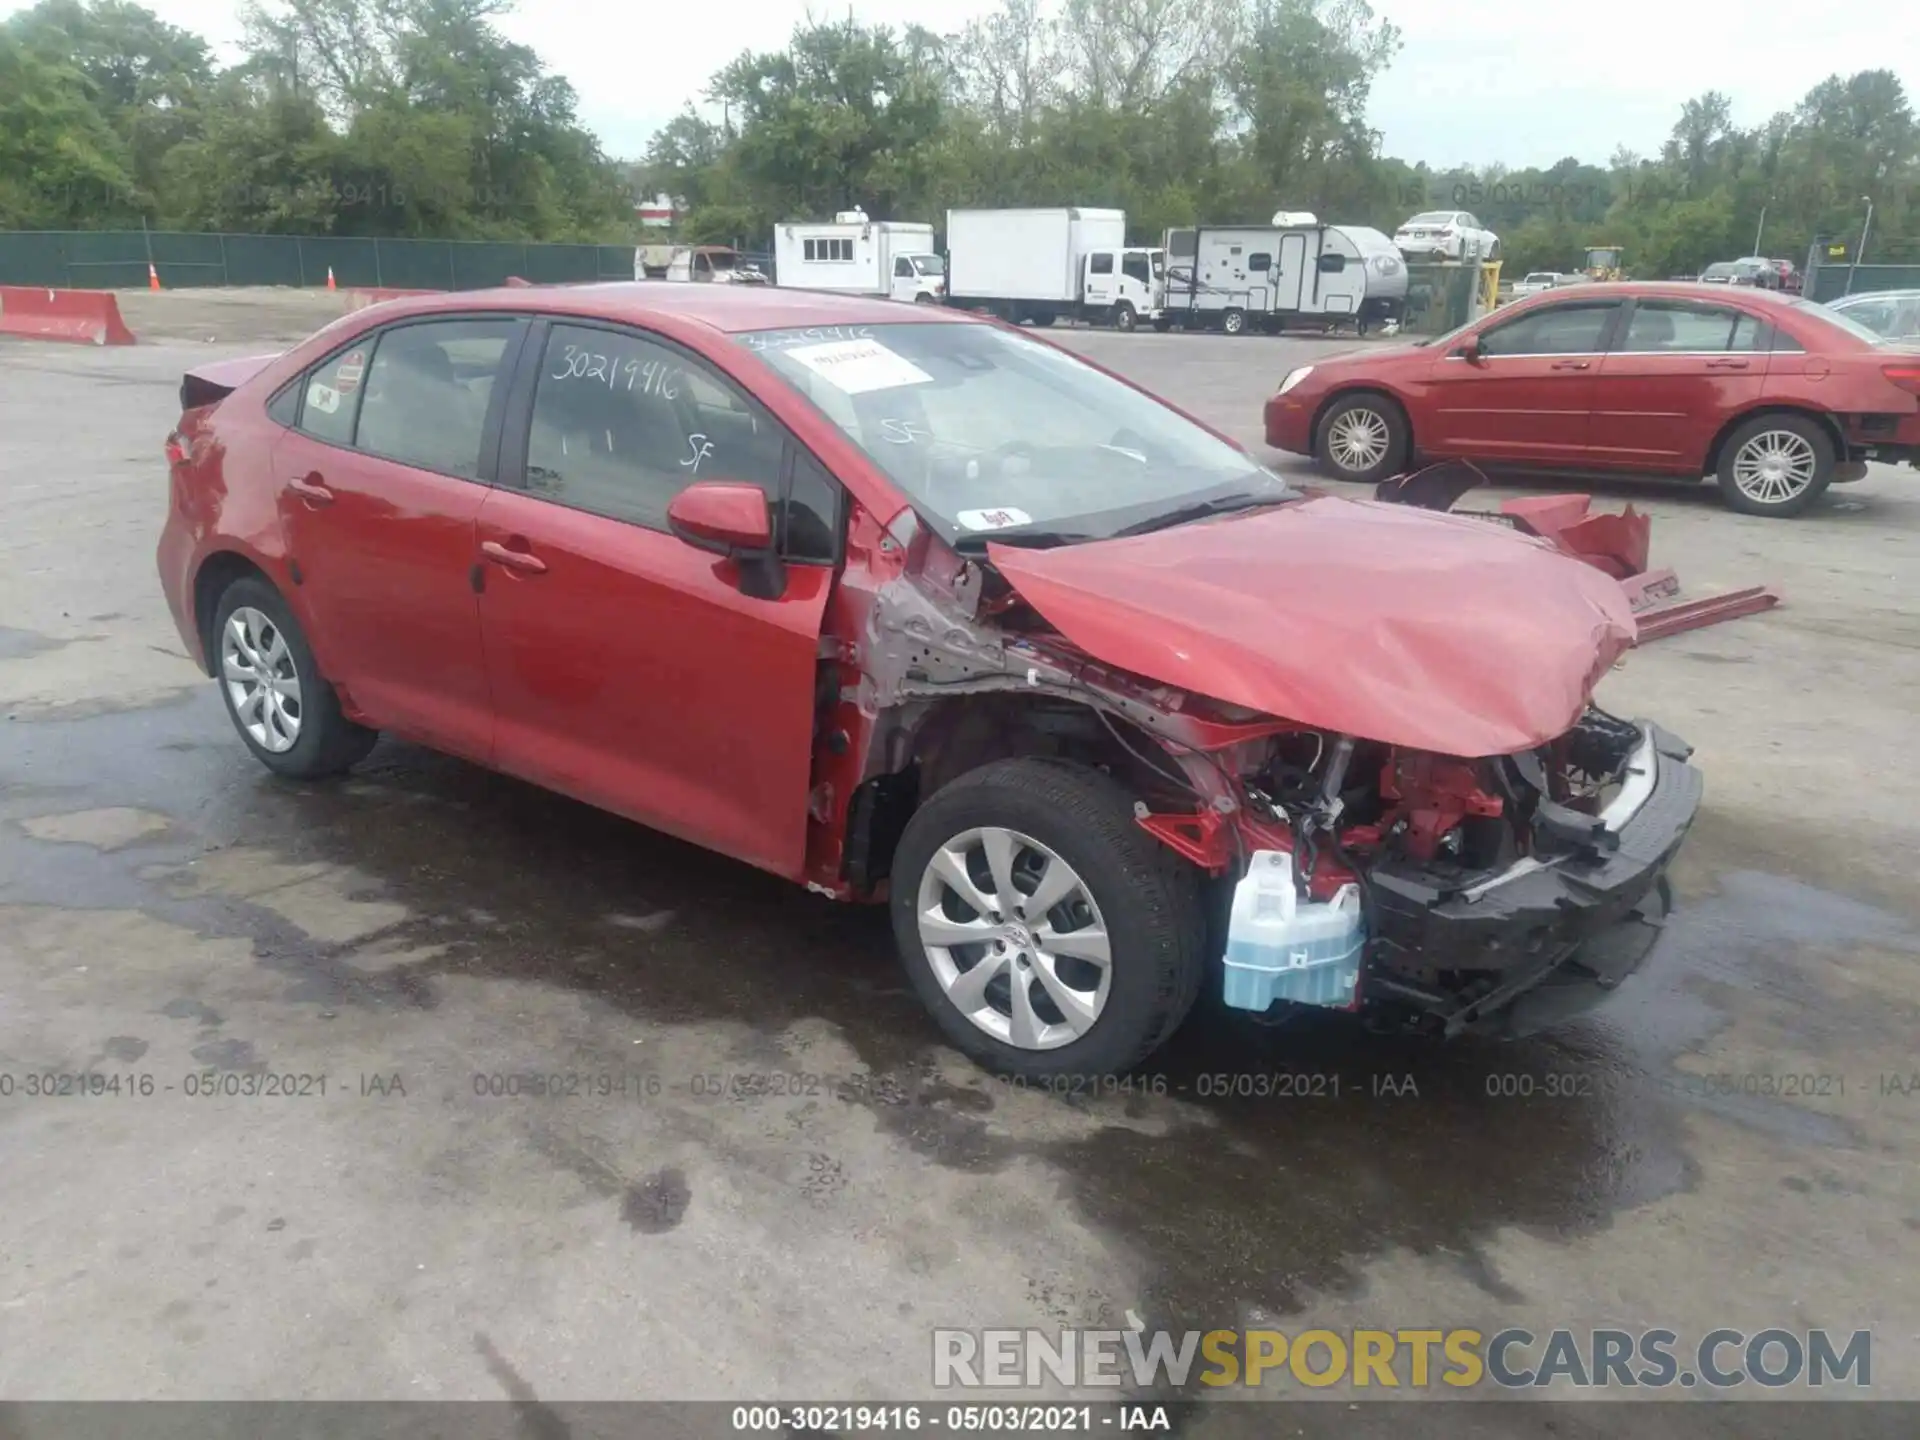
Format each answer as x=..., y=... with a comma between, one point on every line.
x=1673, y=290
x=726, y=308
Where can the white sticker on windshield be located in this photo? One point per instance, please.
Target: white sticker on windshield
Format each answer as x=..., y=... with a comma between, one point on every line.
x=323, y=398
x=1001, y=519
x=857, y=366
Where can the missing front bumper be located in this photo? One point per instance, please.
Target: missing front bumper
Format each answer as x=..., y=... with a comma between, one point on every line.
x=1497, y=951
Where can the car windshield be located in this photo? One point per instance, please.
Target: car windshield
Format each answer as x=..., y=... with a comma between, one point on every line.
x=929, y=264
x=1846, y=322
x=1721, y=267
x=988, y=431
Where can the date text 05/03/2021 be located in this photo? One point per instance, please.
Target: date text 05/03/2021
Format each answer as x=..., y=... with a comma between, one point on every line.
x=1000, y=1419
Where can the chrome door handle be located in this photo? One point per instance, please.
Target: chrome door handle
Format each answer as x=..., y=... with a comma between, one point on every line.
x=1570, y=365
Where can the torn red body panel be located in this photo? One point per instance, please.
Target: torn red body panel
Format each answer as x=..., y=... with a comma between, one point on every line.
x=1432, y=631
x=1618, y=543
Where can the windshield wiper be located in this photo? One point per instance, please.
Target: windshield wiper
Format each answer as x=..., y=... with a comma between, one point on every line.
x=1200, y=510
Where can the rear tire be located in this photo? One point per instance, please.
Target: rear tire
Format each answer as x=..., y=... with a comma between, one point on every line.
x=1776, y=466
x=1234, y=322
x=1362, y=438
x=283, y=707
x=1114, y=889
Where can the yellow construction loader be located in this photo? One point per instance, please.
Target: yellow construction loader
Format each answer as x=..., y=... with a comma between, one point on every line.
x=1603, y=262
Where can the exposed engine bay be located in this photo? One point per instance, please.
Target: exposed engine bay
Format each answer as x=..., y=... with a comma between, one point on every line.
x=1481, y=879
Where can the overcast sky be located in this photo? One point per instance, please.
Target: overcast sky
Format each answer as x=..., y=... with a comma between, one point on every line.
x=1524, y=84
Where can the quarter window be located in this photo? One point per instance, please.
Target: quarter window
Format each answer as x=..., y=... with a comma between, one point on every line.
x=1553, y=330
x=1665, y=327
x=330, y=398
x=622, y=424
x=426, y=393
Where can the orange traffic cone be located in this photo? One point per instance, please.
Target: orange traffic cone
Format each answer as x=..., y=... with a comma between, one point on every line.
x=153, y=277
x=330, y=284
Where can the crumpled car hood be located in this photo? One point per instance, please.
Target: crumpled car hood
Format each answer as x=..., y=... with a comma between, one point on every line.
x=1432, y=631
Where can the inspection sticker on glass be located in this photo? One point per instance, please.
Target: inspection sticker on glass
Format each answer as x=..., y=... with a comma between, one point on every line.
x=857, y=366
x=323, y=398
x=1005, y=518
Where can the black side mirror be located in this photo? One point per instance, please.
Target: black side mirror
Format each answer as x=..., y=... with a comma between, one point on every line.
x=1471, y=349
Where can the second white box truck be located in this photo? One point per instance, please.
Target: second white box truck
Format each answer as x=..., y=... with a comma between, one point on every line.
x=1039, y=266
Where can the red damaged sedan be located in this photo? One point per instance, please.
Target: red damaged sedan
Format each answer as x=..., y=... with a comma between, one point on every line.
x=1774, y=396
x=910, y=607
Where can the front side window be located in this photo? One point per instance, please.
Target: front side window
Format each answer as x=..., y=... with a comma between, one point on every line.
x=1134, y=267
x=1667, y=326
x=623, y=423
x=427, y=391
x=987, y=431
x=903, y=268
x=1551, y=330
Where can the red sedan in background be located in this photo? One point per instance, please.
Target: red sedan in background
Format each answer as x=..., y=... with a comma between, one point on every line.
x=1775, y=396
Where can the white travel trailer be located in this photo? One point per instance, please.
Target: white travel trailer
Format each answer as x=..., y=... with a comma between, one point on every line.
x=1041, y=265
x=857, y=256
x=1292, y=270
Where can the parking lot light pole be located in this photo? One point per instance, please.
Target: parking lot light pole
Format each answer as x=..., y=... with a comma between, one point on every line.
x=1759, y=229
x=1865, y=227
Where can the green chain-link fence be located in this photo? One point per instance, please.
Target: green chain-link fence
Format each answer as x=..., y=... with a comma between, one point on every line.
x=118, y=259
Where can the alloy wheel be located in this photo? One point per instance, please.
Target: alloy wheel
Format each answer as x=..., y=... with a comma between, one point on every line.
x=262, y=681
x=1357, y=439
x=1774, y=467
x=1014, y=938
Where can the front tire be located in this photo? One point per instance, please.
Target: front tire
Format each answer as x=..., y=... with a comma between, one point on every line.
x=1776, y=466
x=283, y=707
x=1362, y=438
x=1124, y=319
x=1046, y=932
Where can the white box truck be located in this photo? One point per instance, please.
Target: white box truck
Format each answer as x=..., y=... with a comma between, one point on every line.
x=1042, y=265
x=853, y=255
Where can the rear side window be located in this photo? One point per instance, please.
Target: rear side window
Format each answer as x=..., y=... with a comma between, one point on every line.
x=426, y=393
x=1102, y=264
x=331, y=399
x=1661, y=326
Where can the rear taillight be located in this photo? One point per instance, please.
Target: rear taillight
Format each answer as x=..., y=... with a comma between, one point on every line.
x=1906, y=376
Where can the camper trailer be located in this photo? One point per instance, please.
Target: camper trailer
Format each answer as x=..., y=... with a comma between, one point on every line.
x=1292, y=270
x=1039, y=266
x=853, y=255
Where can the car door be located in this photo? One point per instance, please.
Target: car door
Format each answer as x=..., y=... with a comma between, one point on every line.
x=381, y=481
x=629, y=669
x=1672, y=377
x=1527, y=396
x=906, y=282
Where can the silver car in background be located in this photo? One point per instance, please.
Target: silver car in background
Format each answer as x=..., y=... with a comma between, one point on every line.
x=1891, y=314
